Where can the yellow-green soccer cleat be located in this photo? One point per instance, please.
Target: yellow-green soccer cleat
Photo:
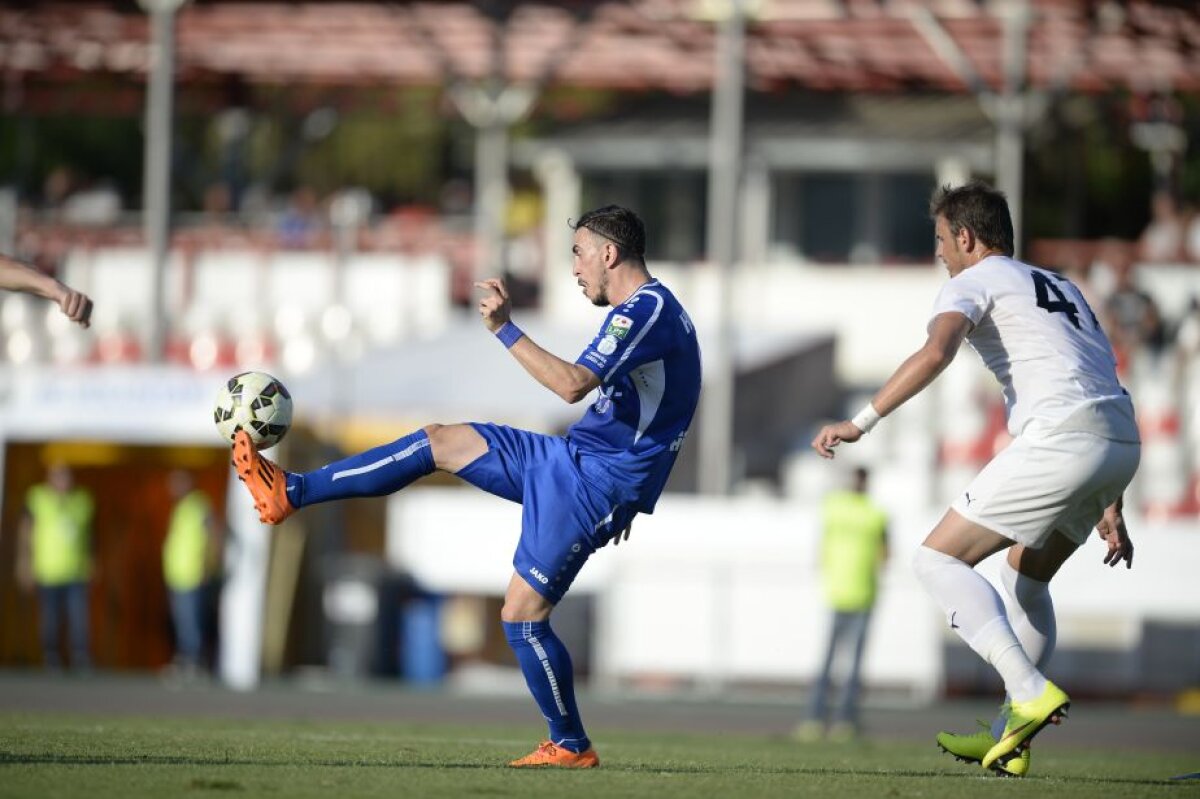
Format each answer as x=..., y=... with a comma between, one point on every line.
x=1026, y=720
x=973, y=748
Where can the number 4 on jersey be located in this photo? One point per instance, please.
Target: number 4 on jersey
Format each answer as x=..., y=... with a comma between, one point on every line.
x=1044, y=288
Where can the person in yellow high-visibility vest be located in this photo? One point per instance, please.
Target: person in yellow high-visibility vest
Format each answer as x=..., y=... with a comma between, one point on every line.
x=55, y=557
x=853, y=549
x=189, y=553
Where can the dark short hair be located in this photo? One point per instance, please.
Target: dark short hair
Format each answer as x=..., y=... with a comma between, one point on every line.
x=619, y=225
x=979, y=208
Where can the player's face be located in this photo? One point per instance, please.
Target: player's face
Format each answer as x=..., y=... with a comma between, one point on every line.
x=590, y=269
x=949, y=252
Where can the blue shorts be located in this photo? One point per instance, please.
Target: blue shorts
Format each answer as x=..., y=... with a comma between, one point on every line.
x=564, y=517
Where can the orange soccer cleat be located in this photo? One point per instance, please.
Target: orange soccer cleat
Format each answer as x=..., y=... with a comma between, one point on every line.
x=265, y=480
x=550, y=755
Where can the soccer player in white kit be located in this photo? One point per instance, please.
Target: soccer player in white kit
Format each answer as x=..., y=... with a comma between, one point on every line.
x=1075, y=448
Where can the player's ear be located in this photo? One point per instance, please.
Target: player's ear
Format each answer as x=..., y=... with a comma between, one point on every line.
x=966, y=239
x=612, y=254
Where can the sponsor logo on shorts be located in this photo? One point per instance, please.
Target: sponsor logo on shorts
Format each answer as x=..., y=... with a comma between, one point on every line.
x=537, y=575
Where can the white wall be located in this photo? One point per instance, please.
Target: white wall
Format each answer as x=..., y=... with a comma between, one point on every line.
x=879, y=315
x=716, y=590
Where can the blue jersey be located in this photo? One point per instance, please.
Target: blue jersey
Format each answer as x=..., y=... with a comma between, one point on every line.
x=648, y=362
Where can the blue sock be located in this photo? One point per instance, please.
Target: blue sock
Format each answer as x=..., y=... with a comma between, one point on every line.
x=379, y=471
x=546, y=665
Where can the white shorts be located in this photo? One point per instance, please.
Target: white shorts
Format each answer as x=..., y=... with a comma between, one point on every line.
x=1059, y=482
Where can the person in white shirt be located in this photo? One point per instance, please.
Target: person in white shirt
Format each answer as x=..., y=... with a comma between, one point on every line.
x=1075, y=449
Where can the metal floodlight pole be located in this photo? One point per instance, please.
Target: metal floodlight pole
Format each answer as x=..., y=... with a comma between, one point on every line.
x=725, y=172
x=1010, y=112
x=156, y=193
x=491, y=197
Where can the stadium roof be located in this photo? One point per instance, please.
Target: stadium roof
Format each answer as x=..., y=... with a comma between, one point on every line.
x=835, y=45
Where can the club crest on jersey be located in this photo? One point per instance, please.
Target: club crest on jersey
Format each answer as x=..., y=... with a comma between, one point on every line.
x=619, y=326
x=607, y=345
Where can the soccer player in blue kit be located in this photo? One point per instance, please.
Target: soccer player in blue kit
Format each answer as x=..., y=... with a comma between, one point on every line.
x=578, y=491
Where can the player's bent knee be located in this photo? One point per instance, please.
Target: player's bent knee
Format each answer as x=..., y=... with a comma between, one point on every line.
x=927, y=560
x=453, y=446
x=511, y=612
x=522, y=603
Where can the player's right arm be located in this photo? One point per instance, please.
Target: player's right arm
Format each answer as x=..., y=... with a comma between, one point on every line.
x=946, y=334
x=16, y=276
x=568, y=380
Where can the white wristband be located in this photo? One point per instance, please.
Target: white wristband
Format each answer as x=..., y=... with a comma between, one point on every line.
x=867, y=418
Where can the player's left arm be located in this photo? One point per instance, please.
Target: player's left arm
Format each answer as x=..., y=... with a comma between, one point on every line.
x=568, y=380
x=946, y=334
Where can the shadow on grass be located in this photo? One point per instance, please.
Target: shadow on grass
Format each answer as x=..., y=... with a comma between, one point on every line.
x=10, y=758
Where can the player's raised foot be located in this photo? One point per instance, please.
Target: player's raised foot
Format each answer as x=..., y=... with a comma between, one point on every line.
x=551, y=755
x=973, y=748
x=266, y=481
x=1025, y=720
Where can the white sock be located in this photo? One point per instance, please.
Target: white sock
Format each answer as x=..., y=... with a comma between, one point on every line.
x=1031, y=614
x=976, y=612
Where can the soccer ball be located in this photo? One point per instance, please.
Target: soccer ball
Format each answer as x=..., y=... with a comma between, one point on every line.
x=254, y=402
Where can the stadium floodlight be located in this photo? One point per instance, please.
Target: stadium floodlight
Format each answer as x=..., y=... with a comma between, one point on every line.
x=156, y=193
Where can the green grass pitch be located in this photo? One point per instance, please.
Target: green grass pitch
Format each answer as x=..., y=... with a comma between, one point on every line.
x=95, y=757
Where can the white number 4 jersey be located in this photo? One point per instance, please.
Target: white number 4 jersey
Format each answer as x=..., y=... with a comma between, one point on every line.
x=1038, y=336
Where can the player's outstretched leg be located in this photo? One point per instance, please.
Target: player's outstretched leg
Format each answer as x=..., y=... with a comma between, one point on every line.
x=1025, y=720
x=972, y=748
x=376, y=472
x=266, y=482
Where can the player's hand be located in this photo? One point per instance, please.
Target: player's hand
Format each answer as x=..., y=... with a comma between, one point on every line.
x=1112, y=529
x=833, y=434
x=76, y=306
x=494, y=306
x=622, y=534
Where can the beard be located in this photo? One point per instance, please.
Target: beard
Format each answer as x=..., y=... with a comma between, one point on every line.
x=601, y=298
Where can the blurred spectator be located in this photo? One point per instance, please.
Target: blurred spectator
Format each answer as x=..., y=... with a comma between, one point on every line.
x=1133, y=319
x=523, y=263
x=57, y=187
x=301, y=222
x=217, y=201
x=853, y=550
x=96, y=204
x=54, y=556
x=1187, y=346
x=190, y=553
x=1191, y=236
x=1162, y=240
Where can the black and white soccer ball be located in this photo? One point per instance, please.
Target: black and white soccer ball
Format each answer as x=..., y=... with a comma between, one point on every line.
x=254, y=402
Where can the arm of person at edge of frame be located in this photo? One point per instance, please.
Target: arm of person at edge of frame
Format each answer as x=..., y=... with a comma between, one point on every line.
x=946, y=334
x=568, y=380
x=1111, y=529
x=16, y=276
